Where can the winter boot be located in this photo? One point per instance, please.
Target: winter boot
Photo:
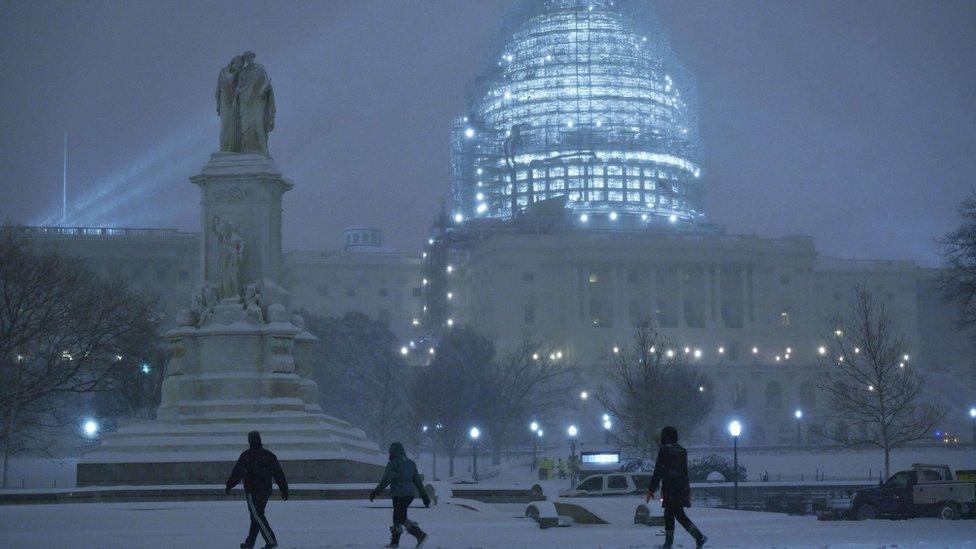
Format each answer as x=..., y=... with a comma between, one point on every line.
x=700, y=538
x=668, y=539
x=416, y=532
x=395, y=531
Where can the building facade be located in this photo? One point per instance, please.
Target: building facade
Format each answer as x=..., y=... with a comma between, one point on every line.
x=362, y=276
x=579, y=209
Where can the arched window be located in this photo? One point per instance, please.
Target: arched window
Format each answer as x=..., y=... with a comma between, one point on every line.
x=738, y=394
x=774, y=395
x=808, y=395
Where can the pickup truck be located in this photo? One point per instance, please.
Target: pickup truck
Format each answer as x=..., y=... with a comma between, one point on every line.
x=923, y=490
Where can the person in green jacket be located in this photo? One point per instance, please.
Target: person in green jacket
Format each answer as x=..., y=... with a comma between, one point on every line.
x=404, y=480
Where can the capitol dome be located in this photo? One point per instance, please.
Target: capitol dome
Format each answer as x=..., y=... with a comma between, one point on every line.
x=582, y=100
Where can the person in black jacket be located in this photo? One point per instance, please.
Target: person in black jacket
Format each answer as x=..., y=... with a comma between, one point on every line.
x=671, y=473
x=256, y=467
x=405, y=483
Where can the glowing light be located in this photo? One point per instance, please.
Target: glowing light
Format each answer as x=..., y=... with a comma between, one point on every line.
x=450, y=296
x=458, y=218
x=821, y=350
x=701, y=389
x=584, y=395
x=616, y=349
x=404, y=350
x=508, y=94
x=539, y=432
x=584, y=218
x=90, y=428
x=687, y=350
x=415, y=322
x=534, y=426
x=145, y=368
x=572, y=431
x=424, y=281
x=755, y=350
x=972, y=413
x=535, y=356
x=430, y=351
x=450, y=269
x=613, y=216
x=450, y=322
x=670, y=353
x=673, y=218
x=798, y=414
x=857, y=350
x=474, y=433
x=424, y=428
x=430, y=241
x=643, y=217
x=607, y=425
x=904, y=357
x=606, y=417
x=870, y=387
x=839, y=333
x=482, y=208
x=469, y=133
x=721, y=350
x=735, y=428
x=698, y=353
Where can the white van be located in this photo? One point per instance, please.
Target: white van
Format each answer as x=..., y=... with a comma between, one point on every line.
x=610, y=484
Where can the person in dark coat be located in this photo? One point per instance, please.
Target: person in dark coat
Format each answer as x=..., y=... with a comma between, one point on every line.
x=671, y=473
x=257, y=467
x=405, y=483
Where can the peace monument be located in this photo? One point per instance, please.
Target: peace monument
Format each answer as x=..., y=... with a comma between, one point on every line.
x=239, y=356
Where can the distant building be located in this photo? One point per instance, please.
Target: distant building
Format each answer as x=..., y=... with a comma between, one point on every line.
x=362, y=276
x=160, y=262
x=579, y=208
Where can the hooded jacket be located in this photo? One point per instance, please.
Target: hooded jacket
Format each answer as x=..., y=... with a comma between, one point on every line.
x=671, y=471
x=401, y=475
x=256, y=467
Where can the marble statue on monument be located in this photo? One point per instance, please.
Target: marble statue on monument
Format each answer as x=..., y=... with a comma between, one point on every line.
x=245, y=105
x=240, y=357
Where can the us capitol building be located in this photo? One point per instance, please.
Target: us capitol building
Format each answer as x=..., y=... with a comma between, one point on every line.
x=578, y=206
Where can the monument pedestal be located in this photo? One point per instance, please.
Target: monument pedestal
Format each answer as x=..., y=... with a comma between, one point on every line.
x=238, y=363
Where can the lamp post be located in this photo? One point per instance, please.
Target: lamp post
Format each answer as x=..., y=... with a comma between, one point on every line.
x=972, y=414
x=572, y=432
x=607, y=425
x=534, y=427
x=474, y=434
x=799, y=421
x=735, y=429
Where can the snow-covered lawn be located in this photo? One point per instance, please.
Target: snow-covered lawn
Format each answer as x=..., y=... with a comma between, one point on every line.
x=351, y=524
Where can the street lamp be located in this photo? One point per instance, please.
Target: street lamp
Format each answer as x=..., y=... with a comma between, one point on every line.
x=474, y=434
x=90, y=428
x=735, y=429
x=584, y=395
x=534, y=427
x=972, y=414
x=799, y=421
x=572, y=431
x=606, y=427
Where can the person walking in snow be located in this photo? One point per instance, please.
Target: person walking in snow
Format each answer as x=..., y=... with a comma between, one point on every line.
x=257, y=467
x=671, y=473
x=404, y=480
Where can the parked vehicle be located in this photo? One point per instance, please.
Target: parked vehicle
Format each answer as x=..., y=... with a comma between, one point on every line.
x=924, y=490
x=610, y=484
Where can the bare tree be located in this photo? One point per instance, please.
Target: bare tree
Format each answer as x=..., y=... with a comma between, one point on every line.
x=450, y=391
x=360, y=373
x=648, y=386
x=957, y=281
x=870, y=383
x=61, y=333
x=530, y=379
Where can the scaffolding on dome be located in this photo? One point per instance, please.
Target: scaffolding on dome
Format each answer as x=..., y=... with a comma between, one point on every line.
x=582, y=100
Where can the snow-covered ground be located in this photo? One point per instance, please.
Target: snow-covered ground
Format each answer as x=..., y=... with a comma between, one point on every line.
x=351, y=524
